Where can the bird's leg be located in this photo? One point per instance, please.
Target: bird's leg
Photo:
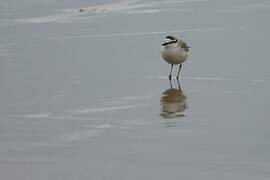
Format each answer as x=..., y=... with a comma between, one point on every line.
x=170, y=75
x=180, y=66
x=170, y=83
x=179, y=87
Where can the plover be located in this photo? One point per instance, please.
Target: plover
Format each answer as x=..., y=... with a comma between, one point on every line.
x=174, y=51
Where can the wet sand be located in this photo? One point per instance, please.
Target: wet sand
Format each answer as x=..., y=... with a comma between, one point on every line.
x=85, y=95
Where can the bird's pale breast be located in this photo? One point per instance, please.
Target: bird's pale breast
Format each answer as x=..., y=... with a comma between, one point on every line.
x=174, y=55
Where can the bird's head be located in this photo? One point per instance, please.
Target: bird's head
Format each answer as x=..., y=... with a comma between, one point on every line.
x=169, y=40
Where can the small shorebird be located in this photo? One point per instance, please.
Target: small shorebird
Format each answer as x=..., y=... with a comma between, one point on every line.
x=174, y=51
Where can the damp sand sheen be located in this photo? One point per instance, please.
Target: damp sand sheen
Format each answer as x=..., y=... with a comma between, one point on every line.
x=86, y=95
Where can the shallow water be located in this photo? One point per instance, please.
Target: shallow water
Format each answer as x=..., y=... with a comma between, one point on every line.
x=85, y=95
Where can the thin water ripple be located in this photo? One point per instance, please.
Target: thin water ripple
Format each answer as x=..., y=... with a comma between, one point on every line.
x=251, y=80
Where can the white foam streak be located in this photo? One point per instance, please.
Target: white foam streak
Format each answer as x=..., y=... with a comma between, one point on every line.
x=225, y=79
x=82, y=135
x=138, y=33
x=101, y=109
x=114, y=7
x=129, y=5
x=36, y=116
x=64, y=17
x=126, y=100
x=120, y=7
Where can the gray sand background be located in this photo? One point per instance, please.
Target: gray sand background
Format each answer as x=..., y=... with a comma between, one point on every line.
x=82, y=94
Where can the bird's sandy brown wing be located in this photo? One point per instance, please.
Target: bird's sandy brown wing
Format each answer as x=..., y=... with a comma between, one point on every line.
x=183, y=45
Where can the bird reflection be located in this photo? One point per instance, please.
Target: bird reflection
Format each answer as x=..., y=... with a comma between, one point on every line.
x=173, y=102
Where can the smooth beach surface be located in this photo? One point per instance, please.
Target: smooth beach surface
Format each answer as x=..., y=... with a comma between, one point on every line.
x=85, y=95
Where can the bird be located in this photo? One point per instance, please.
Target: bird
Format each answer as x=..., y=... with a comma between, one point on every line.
x=174, y=51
